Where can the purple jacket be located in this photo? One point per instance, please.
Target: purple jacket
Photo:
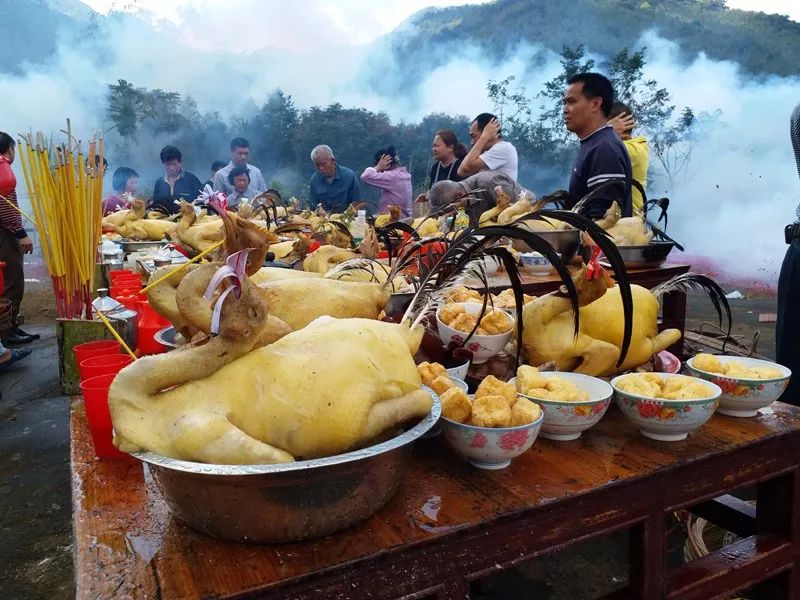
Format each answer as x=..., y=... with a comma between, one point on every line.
x=395, y=186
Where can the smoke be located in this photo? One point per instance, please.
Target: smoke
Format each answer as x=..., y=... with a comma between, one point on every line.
x=730, y=205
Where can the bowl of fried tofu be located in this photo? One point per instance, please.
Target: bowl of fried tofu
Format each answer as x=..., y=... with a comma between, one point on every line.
x=748, y=384
x=492, y=427
x=571, y=402
x=492, y=328
x=665, y=407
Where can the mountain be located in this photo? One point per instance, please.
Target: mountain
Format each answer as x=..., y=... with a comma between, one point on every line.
x=762, y=44
x=33, y=29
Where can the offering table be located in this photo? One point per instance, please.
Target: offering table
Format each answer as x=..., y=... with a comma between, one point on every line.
x=450, y=524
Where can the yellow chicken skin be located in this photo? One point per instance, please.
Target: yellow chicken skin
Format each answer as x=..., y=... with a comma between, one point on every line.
x=300, y=301
x=325, y=258
x=326, y=389
x=136, y=227
x=626, y=231
x=276, y=273
x=549, y=329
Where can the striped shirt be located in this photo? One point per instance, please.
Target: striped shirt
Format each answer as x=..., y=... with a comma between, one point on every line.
x=10, y=219
x=602, y=156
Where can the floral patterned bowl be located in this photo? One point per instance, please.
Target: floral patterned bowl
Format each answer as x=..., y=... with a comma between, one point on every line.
x=666, y=420
x=483, y=347
x=563, y=420
x=744, y=397
x=490, y=448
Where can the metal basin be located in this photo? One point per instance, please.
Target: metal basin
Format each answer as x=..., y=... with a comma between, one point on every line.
x=652, y=255
x=285, y=502
x=565, y=242
x=167, y=337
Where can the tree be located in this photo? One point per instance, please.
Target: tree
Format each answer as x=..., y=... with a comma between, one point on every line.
x=126, y=107
x=274, y=127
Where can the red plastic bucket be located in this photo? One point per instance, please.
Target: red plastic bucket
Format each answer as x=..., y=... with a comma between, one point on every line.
x=95, y=399
x=105, y=364
x=150, y=322
x=97, y=348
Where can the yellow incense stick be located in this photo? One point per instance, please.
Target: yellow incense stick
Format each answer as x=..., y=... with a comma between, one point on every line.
x=19, y=210
x=113, y=331
x=182, y=266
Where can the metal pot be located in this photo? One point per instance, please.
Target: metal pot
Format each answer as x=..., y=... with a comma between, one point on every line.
x=651, y=255
x=116, y=312
x=289, y=501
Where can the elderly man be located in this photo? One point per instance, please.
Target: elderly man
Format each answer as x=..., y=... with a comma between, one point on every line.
x=489, y=152
x=240, y=152
x=481, y=185
x=333, y=186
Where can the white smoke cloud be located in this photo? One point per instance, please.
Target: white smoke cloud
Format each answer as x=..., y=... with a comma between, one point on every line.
x=743, y=187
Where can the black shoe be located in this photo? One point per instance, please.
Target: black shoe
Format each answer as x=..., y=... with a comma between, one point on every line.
x=15, y=339
x=21, y=333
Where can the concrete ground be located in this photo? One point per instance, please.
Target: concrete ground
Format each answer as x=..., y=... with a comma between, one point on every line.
x=35, y=507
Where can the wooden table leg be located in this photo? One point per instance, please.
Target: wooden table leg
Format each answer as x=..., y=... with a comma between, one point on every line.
x=778, y=513
x=648, y=558
x=674, y=316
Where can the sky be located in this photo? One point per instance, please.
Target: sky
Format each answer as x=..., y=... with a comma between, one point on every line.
x=355, y=21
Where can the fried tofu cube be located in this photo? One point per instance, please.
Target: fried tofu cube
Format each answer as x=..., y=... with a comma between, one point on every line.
x=449, y=312
x=464, y=322
x=463, y=294
x=529, y=378
x=441, y=384
x=456, y=405
x=496, y=322
x=430, y=371
x=524, y=412
x=708, y=362
x=491, y=411
x=492, y=386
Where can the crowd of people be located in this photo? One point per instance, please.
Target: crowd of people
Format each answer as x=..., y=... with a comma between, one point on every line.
x=608, y=152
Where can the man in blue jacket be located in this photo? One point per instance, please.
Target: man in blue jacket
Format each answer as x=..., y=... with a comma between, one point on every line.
x=588, y=100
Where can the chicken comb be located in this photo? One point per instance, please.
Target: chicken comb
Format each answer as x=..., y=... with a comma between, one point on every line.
x=593, y=269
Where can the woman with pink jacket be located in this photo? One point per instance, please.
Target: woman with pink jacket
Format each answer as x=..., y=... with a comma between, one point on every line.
x=392, y=179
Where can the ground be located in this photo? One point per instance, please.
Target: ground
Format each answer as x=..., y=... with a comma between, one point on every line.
x=35, y=505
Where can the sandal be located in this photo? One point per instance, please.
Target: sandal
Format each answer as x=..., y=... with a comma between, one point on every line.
x=15, y=356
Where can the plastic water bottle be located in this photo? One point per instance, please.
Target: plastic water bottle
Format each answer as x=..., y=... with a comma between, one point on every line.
x=359, y=227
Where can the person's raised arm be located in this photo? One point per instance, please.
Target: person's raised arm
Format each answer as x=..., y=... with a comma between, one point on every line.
x=472, y=162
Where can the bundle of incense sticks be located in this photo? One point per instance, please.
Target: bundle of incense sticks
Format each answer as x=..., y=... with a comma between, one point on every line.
x=66, y=196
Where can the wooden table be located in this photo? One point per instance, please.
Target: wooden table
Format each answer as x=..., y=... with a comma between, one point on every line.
x=673, y=308
x=450, y=523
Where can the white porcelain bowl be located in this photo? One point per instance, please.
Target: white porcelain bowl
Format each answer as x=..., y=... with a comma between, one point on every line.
x=489, y=447
x=538, y=263
x=483, y=347
x=564, y=421
x=744, y=397
x=666, y=420
x=459, y=372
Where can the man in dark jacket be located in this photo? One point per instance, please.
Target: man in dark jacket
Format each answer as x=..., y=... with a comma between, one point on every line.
x=176, y=184
x=787, y=330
